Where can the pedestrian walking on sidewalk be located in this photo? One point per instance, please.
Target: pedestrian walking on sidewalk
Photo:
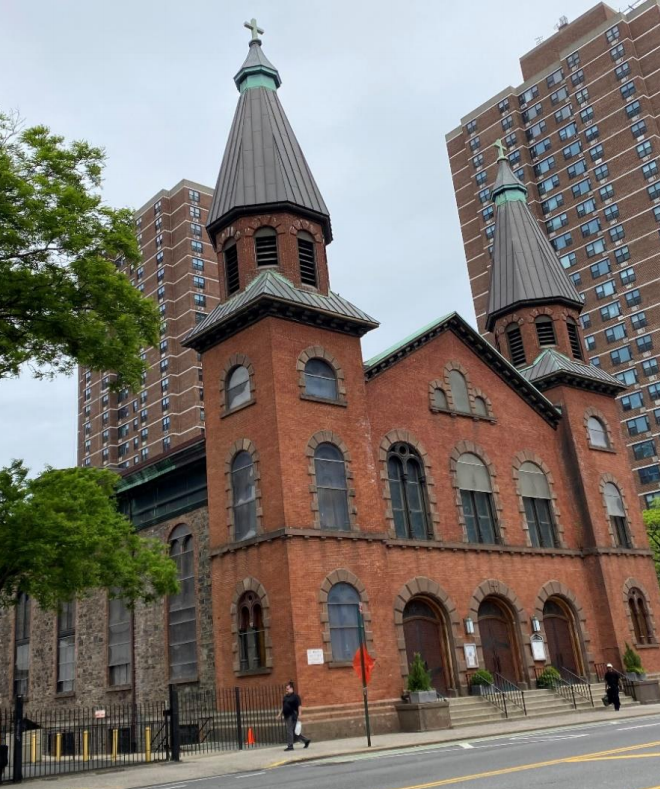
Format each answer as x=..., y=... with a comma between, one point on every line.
x=291, y=714
x=612, y=686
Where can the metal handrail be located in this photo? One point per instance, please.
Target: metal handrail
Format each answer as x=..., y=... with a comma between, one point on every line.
x=495, y=696
x=513, y=693
x=560, y=686
x=580, y=685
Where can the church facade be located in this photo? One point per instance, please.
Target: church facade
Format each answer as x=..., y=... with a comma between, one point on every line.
x=476, y=502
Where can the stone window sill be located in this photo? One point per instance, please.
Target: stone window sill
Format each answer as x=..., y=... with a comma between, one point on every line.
x=654, y=645
x=118, y=688
x=229, y=412
x=186, y=681
x=464, y=414
x=339, y=664
x=254, y=672
x=602, y=449
x=325, y=400
x=68, y=694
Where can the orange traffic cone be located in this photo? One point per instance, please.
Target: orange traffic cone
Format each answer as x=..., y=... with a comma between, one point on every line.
x=250, y=739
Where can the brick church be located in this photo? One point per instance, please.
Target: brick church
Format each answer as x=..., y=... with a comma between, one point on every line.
x=477, y=501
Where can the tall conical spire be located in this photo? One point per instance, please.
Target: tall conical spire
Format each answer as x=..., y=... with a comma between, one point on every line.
x=263, y=169
x=525, y=268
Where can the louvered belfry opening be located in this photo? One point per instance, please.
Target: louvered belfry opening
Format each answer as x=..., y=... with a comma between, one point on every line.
x=265, y=244
x=574, y=339
x=307, y=260
x=545, y=331
x=231, y=268
x=516, y=347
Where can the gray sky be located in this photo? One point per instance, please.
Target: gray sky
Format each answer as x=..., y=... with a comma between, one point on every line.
x=369, y=86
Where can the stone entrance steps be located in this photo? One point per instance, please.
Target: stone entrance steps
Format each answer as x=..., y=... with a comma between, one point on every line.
x=473, y=710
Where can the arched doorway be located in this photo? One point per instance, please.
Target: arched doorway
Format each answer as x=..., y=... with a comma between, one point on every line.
x=425, y=632
x=498, y=639
x=561, y=635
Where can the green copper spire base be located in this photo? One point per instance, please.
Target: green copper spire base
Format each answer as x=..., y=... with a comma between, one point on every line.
x=257, y=71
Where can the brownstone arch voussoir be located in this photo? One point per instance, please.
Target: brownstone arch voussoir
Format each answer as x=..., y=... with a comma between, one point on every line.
x=425, y=587
x=250, y=584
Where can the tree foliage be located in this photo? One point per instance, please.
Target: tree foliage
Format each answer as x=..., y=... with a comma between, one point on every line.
x=419, y=678
x=652, y=523
x=62, y=534
x=62, y=300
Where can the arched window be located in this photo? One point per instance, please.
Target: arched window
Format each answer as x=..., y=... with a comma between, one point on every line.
x=459, y=391
x=597, y=433
x=617, y=515
x=320, y=379
x=545, y=331
x=640, y=617
x=408, y=493
x=22, y=645
x=574, y=339
x=480, y=407
x=477, y=499
x=535, y=493
x=332, y=491
x=230, y=255
x=265, y=246
x=516, y=346
x=343, y=603
x=238, y=387
x=307, y=259
x=244, y=496
x=251, y=633
x=440, y=399
x=182, y=617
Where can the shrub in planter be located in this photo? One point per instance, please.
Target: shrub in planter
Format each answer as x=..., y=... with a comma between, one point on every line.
x=633, y=663
x=419, y=682
x=479, y=680
x=548, y=678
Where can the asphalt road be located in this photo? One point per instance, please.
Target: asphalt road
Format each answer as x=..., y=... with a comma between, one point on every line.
x=613, y=755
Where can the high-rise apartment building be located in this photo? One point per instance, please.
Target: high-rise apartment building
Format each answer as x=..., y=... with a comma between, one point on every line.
x=179, y=271
x=581, y=133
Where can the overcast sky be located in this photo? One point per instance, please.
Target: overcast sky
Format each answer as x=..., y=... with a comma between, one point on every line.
x=370, y=87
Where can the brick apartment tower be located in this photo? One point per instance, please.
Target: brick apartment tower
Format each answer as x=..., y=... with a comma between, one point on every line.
x=581, y=132
x=178, y=270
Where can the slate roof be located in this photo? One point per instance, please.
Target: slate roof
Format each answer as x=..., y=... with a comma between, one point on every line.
x=270, y=289
x=263, y=167
x=552, y=367
x=525, y=268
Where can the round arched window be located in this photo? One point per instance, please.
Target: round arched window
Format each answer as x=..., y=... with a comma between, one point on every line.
x=238, y=387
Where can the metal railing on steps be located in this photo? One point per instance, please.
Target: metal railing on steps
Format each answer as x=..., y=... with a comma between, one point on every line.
x=580, y=685
x=514, y=694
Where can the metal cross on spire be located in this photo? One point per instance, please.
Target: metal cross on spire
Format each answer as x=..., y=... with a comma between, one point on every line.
x=501, y=147
x=254, y=28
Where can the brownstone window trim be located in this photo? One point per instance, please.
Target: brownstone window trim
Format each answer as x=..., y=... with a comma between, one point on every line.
x=242, y=444
x=234, y=361
x=605, y=478
x=329, y=437
x=629, y=587
x=400, y=435
x=319, y=352
x=596, y=414
x=437, y=383
x=473, y=392
x=250, y=584
x=335, y=577
x=528, y=456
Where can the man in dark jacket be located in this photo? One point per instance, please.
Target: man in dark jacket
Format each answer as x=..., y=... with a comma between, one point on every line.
x=612, y=686
x=291, y=712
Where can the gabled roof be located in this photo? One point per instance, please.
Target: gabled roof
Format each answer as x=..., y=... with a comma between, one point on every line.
x=552, y=368
x=263, y=168
x=525, y=268
x=486, y=352
x=270, y=293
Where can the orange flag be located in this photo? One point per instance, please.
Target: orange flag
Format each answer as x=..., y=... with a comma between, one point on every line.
x=369, y=664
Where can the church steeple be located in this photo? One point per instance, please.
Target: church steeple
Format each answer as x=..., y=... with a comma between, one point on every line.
x=263, y=169
x=525, y=269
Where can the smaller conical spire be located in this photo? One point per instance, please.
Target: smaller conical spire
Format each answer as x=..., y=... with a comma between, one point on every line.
x=525, y=268
x=257, y=71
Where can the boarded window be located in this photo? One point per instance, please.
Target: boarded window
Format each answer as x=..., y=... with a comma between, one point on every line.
x=230, y=254
x=515, y=343
x=307, y=259
x=459, y=391
x=545, y=331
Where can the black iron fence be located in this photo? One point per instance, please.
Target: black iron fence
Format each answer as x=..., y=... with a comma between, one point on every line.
x=37, y=742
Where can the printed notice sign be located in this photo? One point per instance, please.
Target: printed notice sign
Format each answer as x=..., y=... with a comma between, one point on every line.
x=99, y=713
x=314, y=657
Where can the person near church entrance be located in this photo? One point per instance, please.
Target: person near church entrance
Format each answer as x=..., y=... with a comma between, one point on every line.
x=612, y=686
x=291, y=713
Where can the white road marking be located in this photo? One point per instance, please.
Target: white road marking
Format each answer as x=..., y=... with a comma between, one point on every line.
x=549, y=739
x=465, y=745
x=642, y=726
x=250, y=775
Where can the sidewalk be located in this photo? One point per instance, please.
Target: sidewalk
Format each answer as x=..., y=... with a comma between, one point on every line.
x=225, y=762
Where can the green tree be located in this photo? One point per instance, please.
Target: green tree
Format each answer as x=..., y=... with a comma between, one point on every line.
x=62, y=300
x=418, y=677
x=62, y=535
x=652, y=523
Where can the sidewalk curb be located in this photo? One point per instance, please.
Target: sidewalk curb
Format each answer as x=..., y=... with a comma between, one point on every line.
x=462, y=736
